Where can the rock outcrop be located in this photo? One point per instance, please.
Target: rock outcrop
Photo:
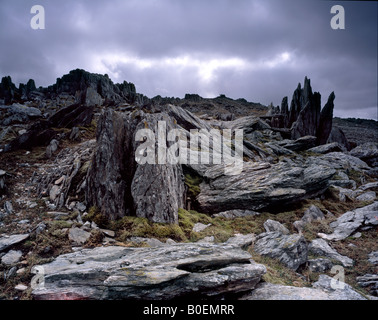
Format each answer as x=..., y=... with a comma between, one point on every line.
x=118, y=185
x=351, y=221
x=290, y=250
x=306, y=118
x=262, y=185
x=321, y=290
x=173, y=271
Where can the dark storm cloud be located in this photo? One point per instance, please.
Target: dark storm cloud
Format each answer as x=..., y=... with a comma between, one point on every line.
x=258, y=50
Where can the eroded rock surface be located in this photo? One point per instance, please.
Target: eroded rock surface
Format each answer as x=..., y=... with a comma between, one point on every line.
x=167, y=272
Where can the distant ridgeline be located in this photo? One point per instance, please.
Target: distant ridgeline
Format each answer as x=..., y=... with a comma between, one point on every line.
x=88, y=88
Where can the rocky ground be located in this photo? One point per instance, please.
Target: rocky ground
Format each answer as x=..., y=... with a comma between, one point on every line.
x=80, y=218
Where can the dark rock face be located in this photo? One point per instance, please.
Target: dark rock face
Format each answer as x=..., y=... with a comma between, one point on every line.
x=119, y=186
x=305, y=117
x=338, y=136
x=7, y=90
x=112, y=169
x=78, y=81
x=158, y=189
x=41, y=132
x=367, y=152
x=291, y=250
x=325, y=124
x=72, y=116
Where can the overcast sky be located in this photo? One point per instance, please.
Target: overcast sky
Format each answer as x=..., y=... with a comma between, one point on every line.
x=253, y=49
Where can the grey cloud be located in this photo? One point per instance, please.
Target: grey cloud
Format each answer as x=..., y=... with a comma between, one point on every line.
x=344, y=61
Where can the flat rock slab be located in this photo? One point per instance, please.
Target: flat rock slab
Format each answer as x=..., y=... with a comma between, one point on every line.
x=161, y=273
x=12, y=257
x=320, y=247
x=350, y=221
x=320, y=291
x=9, y=241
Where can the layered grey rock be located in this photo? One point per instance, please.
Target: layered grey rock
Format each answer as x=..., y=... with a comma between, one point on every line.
x=162, y=273
x=158, y=189
x=261, y=185
x=367, y=152
x=11, y=258
x=351, y=221
x=319, y=265
x=339, y=160
x=320, y=247
x=18, y=113
x=325, y=123
x=3, y=186
x=320, y=291
x=327, y=148
x=275, y=226
x=301, y=144
x=338, y=136
x=311, y=214
x=231, y=214
x=9, y=241
x=78, y=236
x=373, y=257
x=112, y=167
x=290, y=250
x=369, y=281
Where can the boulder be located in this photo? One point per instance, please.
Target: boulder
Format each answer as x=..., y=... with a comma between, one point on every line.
x=161, y=273
x=290, y=250
x=338, y=160
x=367, y=196
x=351, y=221
x=198, y=227
x=52, y=148
x=373, y=257
x=261, y=185
x=311, y=214
x=338, y=136
x=275, y=226
x=72, y=116
x=78, y=236
x=301, y=144
x=320, y=247
x=321, y=290
x=7, y=242
x=11, y=258
x=39, y=134
x=18, y=113
x=231, y=214
x=369, y=281
x=327, y=148
x=3, y=186
x=367, y=152
x=8, y=207
x=319, y=265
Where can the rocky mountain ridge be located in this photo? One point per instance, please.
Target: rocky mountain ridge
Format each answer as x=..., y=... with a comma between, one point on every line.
x=79, y=211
